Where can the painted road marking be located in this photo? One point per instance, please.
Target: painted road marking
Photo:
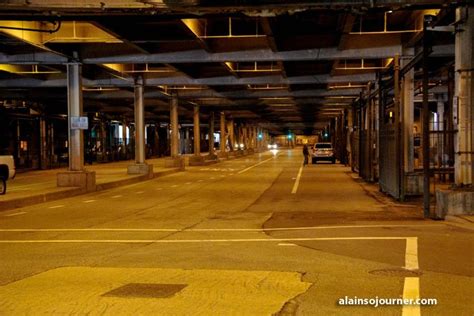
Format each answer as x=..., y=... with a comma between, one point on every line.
x=257, y=164
x=231, y=174
x=200, y=180
x=187, y=241
x=159, y=189
x=139, y=192
x=174, y=186
x=222, y=176
x=208, y=229
x=116, y=196
x=212, y=178
x=188, y=182
x=411, y=254
x=297, y=181
x=56, y=206
x=15, y=214
x=286, y=244
x=411, y=290
x=89, y=201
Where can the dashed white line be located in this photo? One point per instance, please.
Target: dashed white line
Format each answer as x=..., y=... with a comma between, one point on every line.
x=116, y=196
x=174, y=186
x=286, y=244
x=139, y=192
x=200, y=180
x=89, y=201
x=257, y=164
x=297, y=182
x=56, y=206
x=188, y=183
x=212, y=178
x=15, y=214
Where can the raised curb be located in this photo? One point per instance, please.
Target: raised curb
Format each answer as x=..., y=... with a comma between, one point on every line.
x=53, y=196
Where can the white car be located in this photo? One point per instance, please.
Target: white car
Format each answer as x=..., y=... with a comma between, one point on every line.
x=7, y=171
x=323, y=152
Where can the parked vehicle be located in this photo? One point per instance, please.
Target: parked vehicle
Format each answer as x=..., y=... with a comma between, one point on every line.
x=323, y=152
x=7, y=171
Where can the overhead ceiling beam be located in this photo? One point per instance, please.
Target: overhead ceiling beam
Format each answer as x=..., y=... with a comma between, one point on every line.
x=228, y=80
x=201, y=56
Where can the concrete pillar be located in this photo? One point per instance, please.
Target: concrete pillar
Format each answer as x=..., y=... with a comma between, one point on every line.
x=140, y=167
x=139, y=123
x=124, y=138
x=75, y=136
x=197, y=132
x=43, y=144
x=464, y=97
x=176, y=161
x=174, y=126
x=211, y=134
x=223, y=133
x=230, y=128
x=76, y=176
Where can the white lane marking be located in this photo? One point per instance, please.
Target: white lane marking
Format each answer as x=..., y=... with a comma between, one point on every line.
x=286, y=244
x=411, y=254
x=200, y=180
x=411, y=290
x=57, y=206
x=231, y=174
x=116, y=196
x=174, y=186
x=187, y=241
x=15, y=214
x=257, y=164
x=188, y=182
x=206, y=229
x=297, y=181
x=212, y=178
x=139, y=192
x=222, y=176
x=89, y=201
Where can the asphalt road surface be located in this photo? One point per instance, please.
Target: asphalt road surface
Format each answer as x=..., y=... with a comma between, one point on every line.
x=259, y=235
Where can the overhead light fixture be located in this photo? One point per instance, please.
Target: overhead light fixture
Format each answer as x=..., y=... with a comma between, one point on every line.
x=361, y=67
x=266, y=87
x=348, y=86
x=99, y=89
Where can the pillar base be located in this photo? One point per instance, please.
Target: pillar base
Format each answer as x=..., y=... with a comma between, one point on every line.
x=141, y=168
x=175, y=162
x=83, y=179
x=454, y=202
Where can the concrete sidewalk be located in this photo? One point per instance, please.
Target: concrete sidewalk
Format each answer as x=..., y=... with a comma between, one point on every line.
x=40, y=186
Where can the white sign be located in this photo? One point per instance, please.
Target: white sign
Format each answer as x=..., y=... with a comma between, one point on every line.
x=79, y=122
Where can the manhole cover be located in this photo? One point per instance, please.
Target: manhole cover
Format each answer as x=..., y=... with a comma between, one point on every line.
x=396, y=272
x=147, y=290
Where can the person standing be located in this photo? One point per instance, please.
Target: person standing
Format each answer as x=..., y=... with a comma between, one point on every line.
x=305, y=154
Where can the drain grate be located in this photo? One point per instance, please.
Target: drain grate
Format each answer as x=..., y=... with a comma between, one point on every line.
x=146, y=290
x=396, y=272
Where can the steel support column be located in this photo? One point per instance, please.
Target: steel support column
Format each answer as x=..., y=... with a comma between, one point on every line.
x=75, y=136
x=174, y=126
x=211, y=133
x=197, y=132
x=464, y=95
x=139, y=123
x=223, y=133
